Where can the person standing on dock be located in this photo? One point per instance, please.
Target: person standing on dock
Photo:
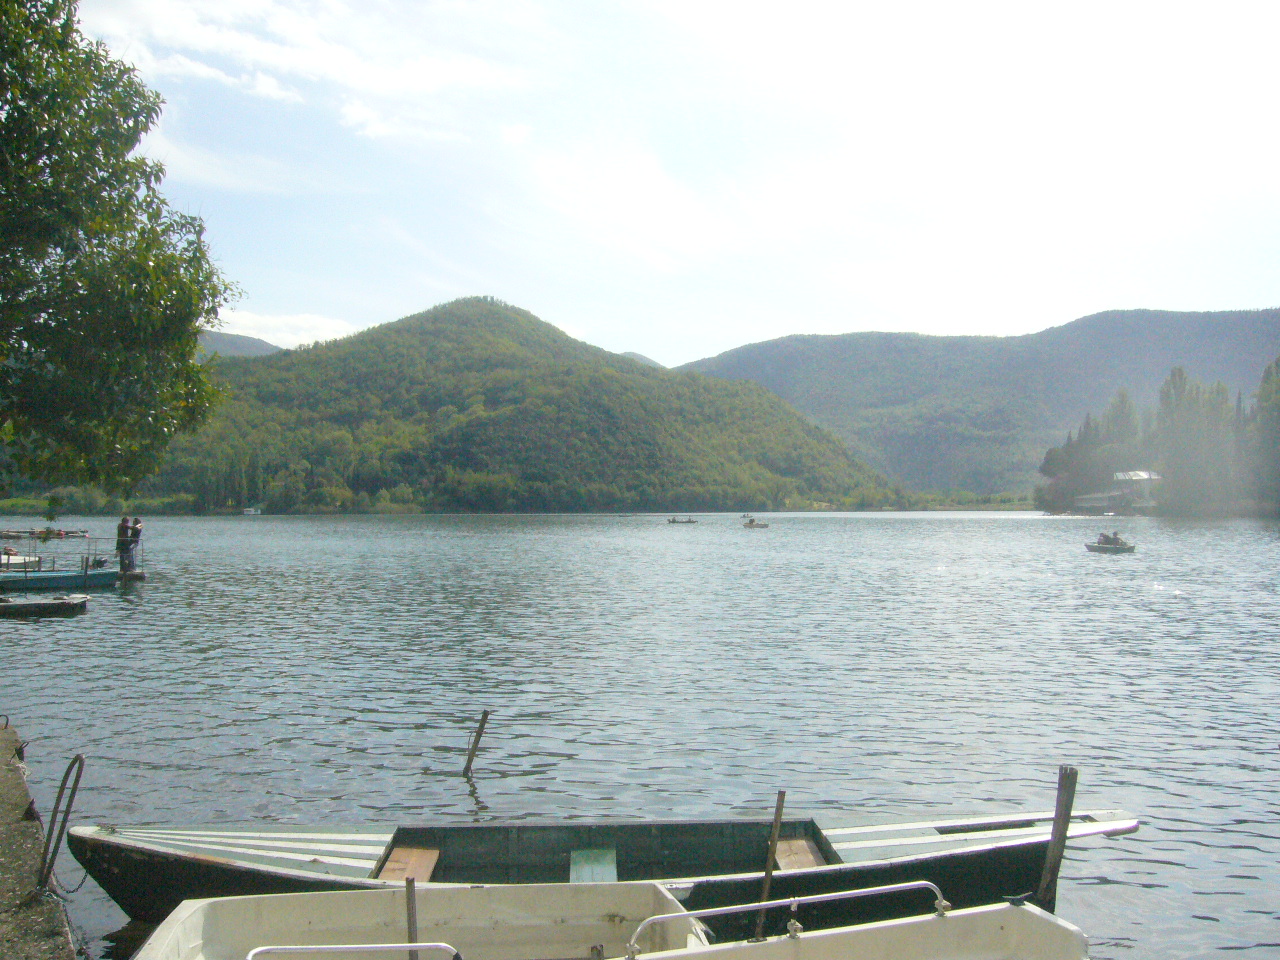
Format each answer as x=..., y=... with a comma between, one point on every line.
x=124, y=537
x=135, y=537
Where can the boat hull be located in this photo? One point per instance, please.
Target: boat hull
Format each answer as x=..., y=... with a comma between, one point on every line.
x=149, y=871
x=1110, y=547
x=50, y=607
x=598, y=920
x=24, y=581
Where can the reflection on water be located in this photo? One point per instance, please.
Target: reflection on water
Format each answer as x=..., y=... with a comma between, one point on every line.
x=327, y=670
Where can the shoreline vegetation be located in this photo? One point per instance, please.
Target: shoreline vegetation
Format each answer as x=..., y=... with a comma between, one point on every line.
x=1203, y=455
x=90, y=502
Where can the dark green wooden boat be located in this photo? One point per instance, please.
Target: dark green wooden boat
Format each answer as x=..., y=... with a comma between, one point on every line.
x=1111, y=547
x=72, y=603
x=978, y=860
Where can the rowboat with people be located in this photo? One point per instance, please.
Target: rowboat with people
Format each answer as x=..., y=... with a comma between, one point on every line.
x=1110, y=543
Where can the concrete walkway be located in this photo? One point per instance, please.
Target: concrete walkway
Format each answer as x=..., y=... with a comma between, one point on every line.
x=31, y=928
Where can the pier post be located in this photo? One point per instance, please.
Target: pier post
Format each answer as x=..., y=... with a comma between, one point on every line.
x=768, y=864
x=1047, y=894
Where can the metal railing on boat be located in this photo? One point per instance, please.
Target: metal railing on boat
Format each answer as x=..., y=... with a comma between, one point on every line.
x=941, y=906
x=81, y=553
x=257, y=952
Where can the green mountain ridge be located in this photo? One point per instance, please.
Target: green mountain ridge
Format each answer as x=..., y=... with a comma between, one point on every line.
x=978, y=413
x=234, y=345
x=478, y=405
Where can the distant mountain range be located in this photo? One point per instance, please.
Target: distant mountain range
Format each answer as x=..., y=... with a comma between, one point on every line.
x=235, y=345
x=478, y=405
x=978, y=413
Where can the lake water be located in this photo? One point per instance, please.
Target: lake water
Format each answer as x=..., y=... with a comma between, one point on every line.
x=331, y=670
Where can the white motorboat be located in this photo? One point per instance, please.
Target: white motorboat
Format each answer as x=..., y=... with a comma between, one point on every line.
x=588, y=921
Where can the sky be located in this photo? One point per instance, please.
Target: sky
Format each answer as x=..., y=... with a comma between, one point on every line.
x=681, y=178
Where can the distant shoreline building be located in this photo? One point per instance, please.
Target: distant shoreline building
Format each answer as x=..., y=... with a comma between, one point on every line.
x=1132, y=493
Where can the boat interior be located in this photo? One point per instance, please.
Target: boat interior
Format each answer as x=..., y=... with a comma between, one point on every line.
x=597, y=852
x=487, y=923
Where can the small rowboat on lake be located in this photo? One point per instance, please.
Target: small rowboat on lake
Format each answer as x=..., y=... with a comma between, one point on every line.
x=754, y=524
x=1121, y=547
x=148, y=871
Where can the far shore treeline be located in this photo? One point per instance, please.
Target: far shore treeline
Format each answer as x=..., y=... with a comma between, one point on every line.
x=476, y=405
x=1215, y=455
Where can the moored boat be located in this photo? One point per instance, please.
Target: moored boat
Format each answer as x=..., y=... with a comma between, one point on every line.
x=84, y=578
x=44, y=607
x=148, y=871
x=12, y=560
x=47, y=533
x=592, y=920
x=542, y=920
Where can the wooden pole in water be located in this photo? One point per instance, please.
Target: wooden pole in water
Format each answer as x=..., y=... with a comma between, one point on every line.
x=475, y=743
x=1047, y=895
x=411, y=913
x=768, y=864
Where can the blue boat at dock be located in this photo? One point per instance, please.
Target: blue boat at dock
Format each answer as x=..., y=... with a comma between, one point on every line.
x=86, y=578
x=88, y=563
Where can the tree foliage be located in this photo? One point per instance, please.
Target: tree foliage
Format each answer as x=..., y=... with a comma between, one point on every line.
x=475, y=405
x=103, y=287
x=1212, y=455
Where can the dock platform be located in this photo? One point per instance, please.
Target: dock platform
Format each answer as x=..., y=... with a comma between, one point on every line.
x=31, y=927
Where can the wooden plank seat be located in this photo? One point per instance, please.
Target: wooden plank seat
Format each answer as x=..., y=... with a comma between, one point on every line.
x=416, y=862
x=593, y=866
x=798, y=853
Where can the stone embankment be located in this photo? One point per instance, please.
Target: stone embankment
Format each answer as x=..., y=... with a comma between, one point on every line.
x=32, y=926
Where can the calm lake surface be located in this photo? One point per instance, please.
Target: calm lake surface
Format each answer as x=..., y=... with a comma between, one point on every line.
x=330, y=670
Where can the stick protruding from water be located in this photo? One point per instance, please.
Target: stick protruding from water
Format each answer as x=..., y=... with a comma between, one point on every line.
x=475, y=743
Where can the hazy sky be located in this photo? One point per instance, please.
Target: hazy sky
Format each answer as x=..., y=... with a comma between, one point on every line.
x=679, y=178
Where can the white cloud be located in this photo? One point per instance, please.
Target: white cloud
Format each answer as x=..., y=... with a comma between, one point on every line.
x=286, y=330
x=619, y=196
x=393, y=54
x=735, y=168
x=370, y=121
x=230, y=171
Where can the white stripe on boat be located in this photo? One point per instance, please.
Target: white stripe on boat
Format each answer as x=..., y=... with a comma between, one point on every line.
x=1074, y=831
x=382, y=838
x=225, y=852
x=265, y=847
x=989, y=823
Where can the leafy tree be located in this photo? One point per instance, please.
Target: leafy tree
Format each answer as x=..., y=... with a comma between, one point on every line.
x=1196, y=439
x=1266, y=437
x=1087, y=462
x=103, y=287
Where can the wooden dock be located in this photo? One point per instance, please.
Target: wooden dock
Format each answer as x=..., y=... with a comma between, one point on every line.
x=31, y=927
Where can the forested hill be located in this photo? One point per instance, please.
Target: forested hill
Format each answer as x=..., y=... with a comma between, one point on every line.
x=477, y=405
x=234, y=345
x=977, y=413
